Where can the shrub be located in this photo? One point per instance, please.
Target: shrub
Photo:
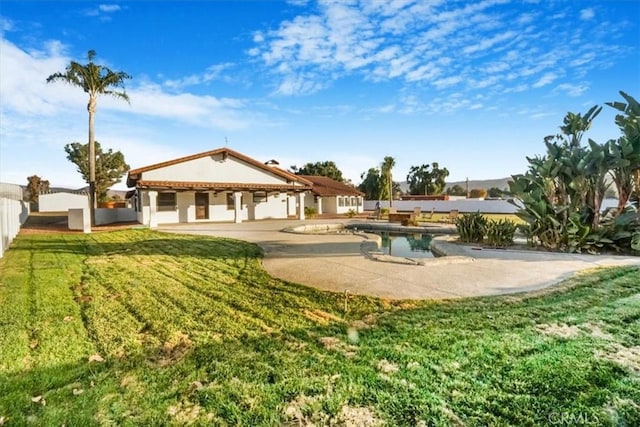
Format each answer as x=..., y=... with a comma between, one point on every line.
x=351, y=213
x=471, y=227
x=500, y=233
x=310, y=212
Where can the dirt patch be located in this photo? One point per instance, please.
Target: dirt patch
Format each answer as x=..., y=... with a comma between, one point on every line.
x=628, y=357
x=174, y=349
x=387, y=367
x=597, y=332
x=186, y=413
x=561, y=330
x=356, y=416
x=303, y=409
x=366, y=322
x=335, y=344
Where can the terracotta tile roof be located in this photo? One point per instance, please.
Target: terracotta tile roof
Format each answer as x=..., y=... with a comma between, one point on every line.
x=324, y=186
x=218, y=186
x=134, y=174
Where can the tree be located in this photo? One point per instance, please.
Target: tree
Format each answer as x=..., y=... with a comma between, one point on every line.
x=370, y=184
x=95, y=80
x=575, y=125
x=478, y=193
x=561, y=194
x=386, y=188
x=35, y=186
x=327, y=168
x=424, y=181
x=456, y=190
x=627, y=149
x=494, y=192
x=109, y=168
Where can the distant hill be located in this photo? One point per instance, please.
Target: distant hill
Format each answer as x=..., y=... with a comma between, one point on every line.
x=501, y=183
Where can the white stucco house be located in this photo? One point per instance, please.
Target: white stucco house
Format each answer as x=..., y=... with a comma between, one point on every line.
x=333, y=197
x=217, y=185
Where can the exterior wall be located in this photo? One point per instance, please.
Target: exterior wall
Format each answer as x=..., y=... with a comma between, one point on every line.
x=274, y=207
x=331, y=204
x=292, y=205
x=213, y=169
x=348, y=203
x=466, y=205
x=62, y=202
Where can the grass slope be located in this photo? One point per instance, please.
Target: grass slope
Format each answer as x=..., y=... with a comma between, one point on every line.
x=141, y=328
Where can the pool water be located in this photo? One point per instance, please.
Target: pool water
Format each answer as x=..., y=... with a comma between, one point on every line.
x=406, y=245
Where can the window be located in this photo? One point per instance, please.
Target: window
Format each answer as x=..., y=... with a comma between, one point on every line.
x=340, y=201
x=231, y=204
x=166, y=202
x=259, y=196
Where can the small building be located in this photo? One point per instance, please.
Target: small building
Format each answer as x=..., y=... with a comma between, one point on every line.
x=334, y=197
x=217, y=185
x=62, y=201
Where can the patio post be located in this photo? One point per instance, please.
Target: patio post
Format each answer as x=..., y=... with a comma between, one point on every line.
x=153, y=207
x=301, y=205
x=319, y=205
x=237, y=203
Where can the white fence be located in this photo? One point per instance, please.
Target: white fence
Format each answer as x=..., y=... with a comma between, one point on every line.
x=464, y=205
x=13, y=213
x=110, y=216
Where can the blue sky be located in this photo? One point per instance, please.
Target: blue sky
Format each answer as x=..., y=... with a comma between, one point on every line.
x=474, y=86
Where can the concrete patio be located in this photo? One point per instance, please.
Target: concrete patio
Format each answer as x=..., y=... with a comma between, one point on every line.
x=336, y=263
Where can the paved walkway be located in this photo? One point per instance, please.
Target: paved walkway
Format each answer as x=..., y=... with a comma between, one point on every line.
x=336, y=263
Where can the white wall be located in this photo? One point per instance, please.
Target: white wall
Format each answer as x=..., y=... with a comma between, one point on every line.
x=110, y=216
x=214, y=169
x=62, y=202
x=466, y=205
x=274, y=207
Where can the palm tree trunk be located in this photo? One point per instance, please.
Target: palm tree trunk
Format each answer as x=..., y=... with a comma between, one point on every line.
x=91, y=107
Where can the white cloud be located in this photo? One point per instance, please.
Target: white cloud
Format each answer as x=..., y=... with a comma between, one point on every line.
x=545, y=80
x=572, y=89
x=103, y=11
x=214, y=72
x=25, y=92
x=109, y=8
x=447, y=82
x=486, y=44
x=587, y=14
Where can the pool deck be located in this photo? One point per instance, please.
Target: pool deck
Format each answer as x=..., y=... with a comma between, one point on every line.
x=338, y=262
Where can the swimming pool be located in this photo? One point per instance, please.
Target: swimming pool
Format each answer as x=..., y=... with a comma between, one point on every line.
x=406, y=245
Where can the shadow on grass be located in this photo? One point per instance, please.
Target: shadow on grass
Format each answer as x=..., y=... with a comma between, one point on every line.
x=141, y=242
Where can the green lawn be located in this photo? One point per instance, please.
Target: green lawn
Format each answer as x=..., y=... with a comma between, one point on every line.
x=142, y=328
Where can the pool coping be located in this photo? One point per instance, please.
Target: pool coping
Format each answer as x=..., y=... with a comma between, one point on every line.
x=370, y=246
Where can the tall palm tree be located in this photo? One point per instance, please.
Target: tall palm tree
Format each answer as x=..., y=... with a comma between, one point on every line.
x=385, y=173
x=95, y=80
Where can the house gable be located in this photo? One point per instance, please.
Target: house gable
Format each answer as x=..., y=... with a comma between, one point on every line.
x=217, y=166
